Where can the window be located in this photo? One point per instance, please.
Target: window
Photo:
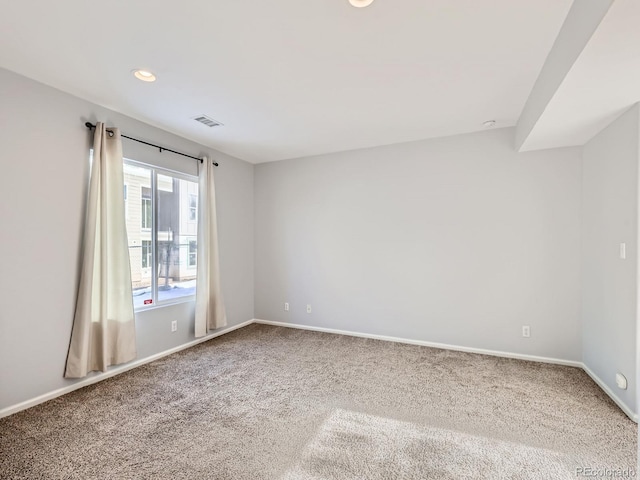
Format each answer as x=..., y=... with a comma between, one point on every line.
x=161, y=234
x=146, y=207
x=193, y=252
x=146, y=253
x=193, y=207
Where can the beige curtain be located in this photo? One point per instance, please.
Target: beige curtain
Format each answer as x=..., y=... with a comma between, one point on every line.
x=210, y=313
x=103, y=327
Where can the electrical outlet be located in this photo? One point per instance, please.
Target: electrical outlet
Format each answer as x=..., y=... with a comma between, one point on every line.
x=308, y=308
x=286, y=306
x=174, y=326
x=526, y=331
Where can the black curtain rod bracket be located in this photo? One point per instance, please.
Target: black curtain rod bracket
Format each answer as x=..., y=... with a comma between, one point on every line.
x=91, y=126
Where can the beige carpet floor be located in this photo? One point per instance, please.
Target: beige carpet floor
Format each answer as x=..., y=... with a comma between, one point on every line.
x=274, y=403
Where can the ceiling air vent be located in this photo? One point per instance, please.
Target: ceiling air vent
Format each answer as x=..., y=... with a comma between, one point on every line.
x=208, y=121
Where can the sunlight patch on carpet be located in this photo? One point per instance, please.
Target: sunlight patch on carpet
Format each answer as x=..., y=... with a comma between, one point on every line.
x=358, y=445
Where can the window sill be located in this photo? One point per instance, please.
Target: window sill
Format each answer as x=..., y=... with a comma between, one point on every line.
x=146, y=308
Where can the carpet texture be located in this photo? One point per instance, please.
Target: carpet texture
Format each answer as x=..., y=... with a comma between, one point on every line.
x=357, y=445
x=275, y=403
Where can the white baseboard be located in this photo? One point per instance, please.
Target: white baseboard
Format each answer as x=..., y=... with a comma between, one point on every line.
x=97, y=377
x=444, y=346
x=136, y=363
x=623, y=406
x=570, y=363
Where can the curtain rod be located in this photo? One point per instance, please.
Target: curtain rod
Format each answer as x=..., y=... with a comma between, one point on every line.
x=91, y=126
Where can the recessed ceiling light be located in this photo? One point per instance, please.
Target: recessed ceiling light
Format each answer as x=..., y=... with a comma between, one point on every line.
x=144, y=75
x=489, y=123
x=360, y=3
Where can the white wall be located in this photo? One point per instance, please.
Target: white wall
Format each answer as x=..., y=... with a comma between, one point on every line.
x=457, y=240
x=610, y=285
x=44, y=166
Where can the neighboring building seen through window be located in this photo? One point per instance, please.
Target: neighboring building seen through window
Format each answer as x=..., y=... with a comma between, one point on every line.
x=146, y=254
x=193, y=208
x=162, y=235
x=193, y=252
x=146, y=207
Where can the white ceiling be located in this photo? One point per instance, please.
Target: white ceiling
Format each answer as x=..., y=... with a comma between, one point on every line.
x=290, y=78
x=602, y=83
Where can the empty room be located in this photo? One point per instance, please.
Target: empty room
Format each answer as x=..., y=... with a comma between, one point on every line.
x=322, y=239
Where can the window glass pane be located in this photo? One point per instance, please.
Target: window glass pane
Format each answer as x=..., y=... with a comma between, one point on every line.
x=176, y=262
x=193, y=207
x=145, y=214
x=193, y=252
x=139, y=215
x=146, y=254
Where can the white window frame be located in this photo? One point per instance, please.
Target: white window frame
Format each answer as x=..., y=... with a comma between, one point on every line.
x=155, y=171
